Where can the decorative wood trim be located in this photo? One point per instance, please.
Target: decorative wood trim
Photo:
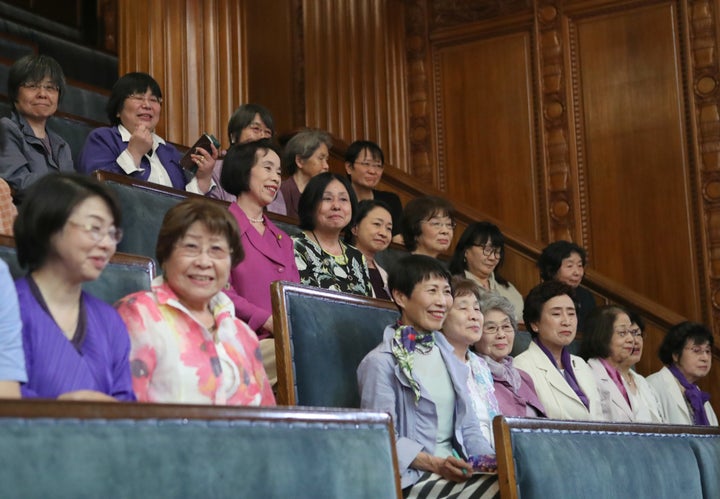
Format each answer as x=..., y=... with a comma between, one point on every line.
x=446, y=13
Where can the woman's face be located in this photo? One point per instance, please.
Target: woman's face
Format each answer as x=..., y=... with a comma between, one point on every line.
x=636, y=354
x=315, y=164
x=366, y=171
x=334, y=211
x=39, y=103
x=464, y=322
x=481, y=264
x=140, y=109
x=256, y=130
x=374, y=232
x=558, y=323
x=436, y=235
x=198, y=267
x=694, y=361
x=571, y=270
x=264, y=180
x=622, y=341
x=427, y=307
x=498, y=336
x=85, y=244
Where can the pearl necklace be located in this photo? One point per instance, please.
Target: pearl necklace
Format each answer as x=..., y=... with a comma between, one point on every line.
x=260, y=220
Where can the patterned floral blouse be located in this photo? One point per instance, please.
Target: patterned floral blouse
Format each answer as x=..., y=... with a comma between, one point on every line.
x=482, y=394
x=347, y=273
x=175, y=359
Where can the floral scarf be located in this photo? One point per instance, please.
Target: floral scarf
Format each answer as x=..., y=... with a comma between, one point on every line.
x=405, y=341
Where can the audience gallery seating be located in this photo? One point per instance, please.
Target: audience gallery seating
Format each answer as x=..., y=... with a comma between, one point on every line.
x=540, y=458
x=321, y=337
x=124, y=274
x=76, y=449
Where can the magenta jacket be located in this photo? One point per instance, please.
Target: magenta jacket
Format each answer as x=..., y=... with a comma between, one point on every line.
x=268, y=258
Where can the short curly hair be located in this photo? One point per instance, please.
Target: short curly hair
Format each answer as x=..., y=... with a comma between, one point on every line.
x=678, y=337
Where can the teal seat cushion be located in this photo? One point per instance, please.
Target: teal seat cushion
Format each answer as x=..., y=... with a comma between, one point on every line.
x=707, y=452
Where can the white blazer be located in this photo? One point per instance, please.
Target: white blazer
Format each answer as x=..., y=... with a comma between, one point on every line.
x=646, y=403
x=612, y=402
x=559, y=399
x=673, y=401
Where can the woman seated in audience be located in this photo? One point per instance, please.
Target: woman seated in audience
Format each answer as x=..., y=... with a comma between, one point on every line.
x=305, y=155
x=131, y=147
x=428, y=226
x=187, y=345
x=514, y=388
x=327, y=207
x=76, y=346
x=463, y=328
x=371, y=233
x=252, y=173
x=644, y=399
x=686, y=352
x=564, y=383
x=29, y=150
x=12, y=360
x=249, y=122
x=415, y=377
x=608, y=344
x=479, y=256
x=565, y=261
x=364, y=161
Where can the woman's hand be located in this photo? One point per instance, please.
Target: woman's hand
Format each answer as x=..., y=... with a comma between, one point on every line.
x=87, y=395
x=140, y=143
x=205, y=163
x=450, y=468
x=268, y=326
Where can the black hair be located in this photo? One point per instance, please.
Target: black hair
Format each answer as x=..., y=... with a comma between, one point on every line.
x=478, y=234
x=239, y=161
x=131, y=83
x=636, y=318
x=678, y=337
x=46, y=208
x=599, y=330
x=538, y=296
x=243, y=116
x=313, y=194
x=552, y=256
x=363, y=208
x=34, y=69
x=354, y=150
x=416, y=212
x=411, y=270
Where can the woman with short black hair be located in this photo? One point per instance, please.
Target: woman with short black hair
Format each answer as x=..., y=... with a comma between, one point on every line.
x=29, y=150
x=428, y=225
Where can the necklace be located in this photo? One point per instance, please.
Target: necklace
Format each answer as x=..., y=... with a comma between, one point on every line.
x=342, y=248
x=260, y=220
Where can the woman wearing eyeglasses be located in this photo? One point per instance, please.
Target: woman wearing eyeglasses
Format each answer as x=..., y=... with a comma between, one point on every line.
x=76, y=346
x=607, y=346
x=29, y=150
x=479, y=255
x=130, y=146
x=187, y=345
x=514, y=388
x=686, y=352
x=428, y=226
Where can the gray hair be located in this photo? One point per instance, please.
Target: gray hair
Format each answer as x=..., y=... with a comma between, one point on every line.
x=303, y=144
x=492, y=301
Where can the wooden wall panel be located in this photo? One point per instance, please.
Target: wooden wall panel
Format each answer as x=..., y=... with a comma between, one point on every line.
x=194, y=50
x=354, y=72
x=632, y=151
x=486, y=128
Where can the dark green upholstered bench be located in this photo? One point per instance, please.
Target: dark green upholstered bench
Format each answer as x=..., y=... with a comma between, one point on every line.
x=92, y=450
x=321, y=337
x=539, y=458
x=124, y=274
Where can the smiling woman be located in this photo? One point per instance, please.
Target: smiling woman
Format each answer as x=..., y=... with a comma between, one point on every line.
x=187, y=345
x=76, y=346
x=29, y=151
x=131, y=147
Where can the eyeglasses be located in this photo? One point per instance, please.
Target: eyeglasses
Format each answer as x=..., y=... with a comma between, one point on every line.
x=261, y=130
x=48, y=87
x=440, y=225
x=699, y=350
x=493, y=329
x=635, y=333
x=153, y=100
x=368, y=164
x=97, y=233
x=488, y=250
x=193, y=250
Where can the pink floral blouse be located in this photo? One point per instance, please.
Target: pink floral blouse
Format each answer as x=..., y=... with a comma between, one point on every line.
x=175, y=359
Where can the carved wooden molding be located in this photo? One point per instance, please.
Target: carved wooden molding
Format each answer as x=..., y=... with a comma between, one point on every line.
x=446, y=13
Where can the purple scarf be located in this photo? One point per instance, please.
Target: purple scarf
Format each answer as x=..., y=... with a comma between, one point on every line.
x=695, y=397
x=569, y=374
